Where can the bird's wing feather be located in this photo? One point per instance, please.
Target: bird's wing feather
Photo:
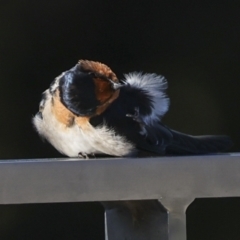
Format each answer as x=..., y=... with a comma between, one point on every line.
x=187, y=144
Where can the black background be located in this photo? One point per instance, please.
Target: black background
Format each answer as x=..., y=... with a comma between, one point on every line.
x=194, y=44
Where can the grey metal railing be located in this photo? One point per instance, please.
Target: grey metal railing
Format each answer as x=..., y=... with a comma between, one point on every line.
x=162, y=186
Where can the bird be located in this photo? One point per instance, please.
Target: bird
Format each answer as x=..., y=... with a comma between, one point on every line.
x=88, y=111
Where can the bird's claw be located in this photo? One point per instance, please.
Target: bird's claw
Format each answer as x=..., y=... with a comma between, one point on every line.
x=137, y=118
x=83, y=155
x=86, y=156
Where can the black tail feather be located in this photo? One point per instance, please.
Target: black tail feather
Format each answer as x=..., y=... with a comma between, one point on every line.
x=187, y=144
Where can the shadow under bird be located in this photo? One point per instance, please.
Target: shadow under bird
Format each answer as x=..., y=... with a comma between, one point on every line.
x=88, y=111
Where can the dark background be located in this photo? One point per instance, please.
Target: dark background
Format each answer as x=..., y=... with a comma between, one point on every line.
x=194, y=44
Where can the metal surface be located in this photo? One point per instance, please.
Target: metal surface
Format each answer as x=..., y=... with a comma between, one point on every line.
x=174, y=181
x=150, y=224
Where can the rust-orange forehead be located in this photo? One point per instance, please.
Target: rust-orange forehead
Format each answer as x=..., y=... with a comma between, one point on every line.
x=99, y=68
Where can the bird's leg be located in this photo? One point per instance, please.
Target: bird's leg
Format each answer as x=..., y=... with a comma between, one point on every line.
x=86, y=156
x=83, y=155
x=137, y=118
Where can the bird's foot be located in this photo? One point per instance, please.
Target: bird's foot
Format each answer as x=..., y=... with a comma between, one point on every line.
x=86, y=156
x=137, y=118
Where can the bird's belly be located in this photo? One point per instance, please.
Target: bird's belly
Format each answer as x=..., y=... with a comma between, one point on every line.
x=73, y=140
x=68, y=140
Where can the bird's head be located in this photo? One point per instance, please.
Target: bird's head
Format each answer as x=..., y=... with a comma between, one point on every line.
x=88, y=88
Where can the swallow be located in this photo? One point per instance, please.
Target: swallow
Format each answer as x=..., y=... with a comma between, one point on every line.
x=87, y=111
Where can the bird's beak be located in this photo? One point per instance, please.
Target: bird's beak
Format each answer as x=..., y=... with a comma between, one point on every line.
x=115, y=85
